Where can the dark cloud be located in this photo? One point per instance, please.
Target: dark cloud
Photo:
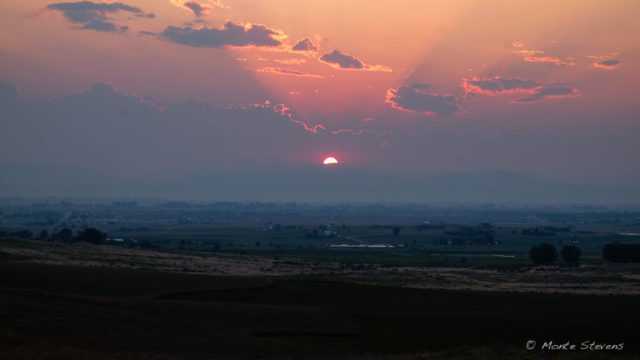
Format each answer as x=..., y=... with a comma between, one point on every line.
x=535, y=91
x=118, y=131
x=305, y=45
x=127, y=137
x=549, y=92
x=342, y=61
x=99, y=25
x=338, y=60
x=416, y=99
x=497, y=85
x=419, y=86
x=609, y=64
x=230, y=35
x=94, y=16
x=195, y=7
x=198, y=8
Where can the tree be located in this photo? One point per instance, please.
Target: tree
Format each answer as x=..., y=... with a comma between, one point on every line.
x=91, y=235
x=571, y=254
x=64, y=235
x=544, y=253
x=621, y=252
x=396, y=230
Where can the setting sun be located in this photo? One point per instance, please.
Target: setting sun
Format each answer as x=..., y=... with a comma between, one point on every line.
x=330, y=161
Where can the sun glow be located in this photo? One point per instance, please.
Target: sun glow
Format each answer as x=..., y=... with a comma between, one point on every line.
x=330, y=161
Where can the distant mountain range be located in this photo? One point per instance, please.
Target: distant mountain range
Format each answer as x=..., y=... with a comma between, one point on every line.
x=310, y=183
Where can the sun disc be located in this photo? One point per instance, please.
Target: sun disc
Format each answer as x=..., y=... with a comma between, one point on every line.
x=330, y=161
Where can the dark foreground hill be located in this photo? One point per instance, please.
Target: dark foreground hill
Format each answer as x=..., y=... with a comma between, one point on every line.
x=72, y=312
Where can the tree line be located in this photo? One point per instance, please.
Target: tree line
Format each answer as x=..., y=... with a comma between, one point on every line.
x=546, y=253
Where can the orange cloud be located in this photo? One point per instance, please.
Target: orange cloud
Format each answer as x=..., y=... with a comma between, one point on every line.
x=548, y=59
x=281, y=71
x=536, y=56
x=526, y=52
x=293, y=61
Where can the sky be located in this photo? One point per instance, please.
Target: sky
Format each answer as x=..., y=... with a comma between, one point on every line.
x=168, y=90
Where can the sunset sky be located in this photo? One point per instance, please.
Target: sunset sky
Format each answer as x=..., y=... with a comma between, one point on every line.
x=141, y=88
